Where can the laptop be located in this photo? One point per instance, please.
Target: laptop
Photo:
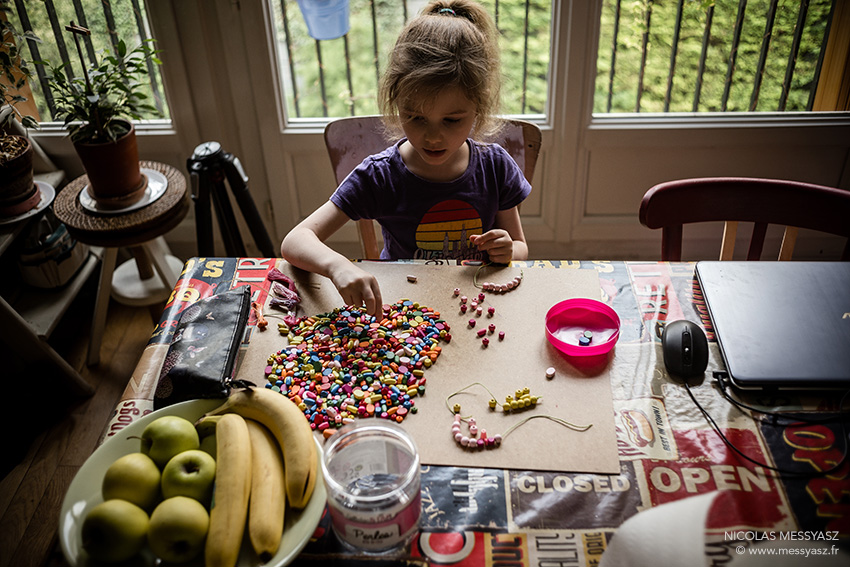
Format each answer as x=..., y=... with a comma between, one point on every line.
x=781, y=325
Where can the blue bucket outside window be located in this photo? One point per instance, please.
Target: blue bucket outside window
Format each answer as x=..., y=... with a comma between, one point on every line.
x=326, y=19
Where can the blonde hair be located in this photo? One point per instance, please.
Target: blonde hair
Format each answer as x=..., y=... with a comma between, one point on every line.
x=452, y=43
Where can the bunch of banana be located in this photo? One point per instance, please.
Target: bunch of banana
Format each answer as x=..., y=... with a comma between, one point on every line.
x=268, y=499
x=286, y=422
x=231, y=493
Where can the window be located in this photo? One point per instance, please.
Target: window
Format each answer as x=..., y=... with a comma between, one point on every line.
x=108, y=20
x=710, y=55
x=339, y=77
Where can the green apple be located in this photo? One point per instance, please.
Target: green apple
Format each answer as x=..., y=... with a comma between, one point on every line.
x=114, y=530
x=178, y=529
x=166, y=436
x=190, y=473
x=135, y=478
x=208, y=445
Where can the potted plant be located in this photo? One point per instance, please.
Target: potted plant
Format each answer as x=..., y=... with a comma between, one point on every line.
x=97, y=109
x=18, y=193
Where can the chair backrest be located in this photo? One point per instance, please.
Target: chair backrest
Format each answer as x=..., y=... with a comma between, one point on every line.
x=351, y=140
x=793, y=204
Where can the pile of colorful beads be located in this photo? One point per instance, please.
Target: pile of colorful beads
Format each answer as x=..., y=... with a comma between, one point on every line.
x=346, y=364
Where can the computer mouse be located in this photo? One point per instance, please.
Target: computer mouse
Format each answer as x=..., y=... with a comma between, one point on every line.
x=685, y=349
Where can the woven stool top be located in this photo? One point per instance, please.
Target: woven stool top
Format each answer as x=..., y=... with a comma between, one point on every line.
x=124, y=229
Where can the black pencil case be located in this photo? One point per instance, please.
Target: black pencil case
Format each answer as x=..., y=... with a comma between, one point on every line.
x=203, y=351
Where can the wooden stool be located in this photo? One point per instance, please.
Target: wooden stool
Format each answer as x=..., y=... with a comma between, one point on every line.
x=141, y=230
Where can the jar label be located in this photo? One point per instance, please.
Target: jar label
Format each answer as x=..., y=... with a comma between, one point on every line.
x=381, y=533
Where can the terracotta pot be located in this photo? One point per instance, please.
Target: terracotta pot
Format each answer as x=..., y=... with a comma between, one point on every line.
x=115, y=180
x=18, y=193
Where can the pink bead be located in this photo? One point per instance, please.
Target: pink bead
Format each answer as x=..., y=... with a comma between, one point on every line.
x=485, y=341
x=472, y=322
x=491, y=311
x=479, y=310
x=481, y=443
x=480, y=297
x=501, y=335
x=481, y=333
x=458, y=436
x=511, y=284
x=491, y=327
x=473, y=431
x=457, y=291
x=463, y=299
x=463, y=307
x=464, y=440
x=497, y=439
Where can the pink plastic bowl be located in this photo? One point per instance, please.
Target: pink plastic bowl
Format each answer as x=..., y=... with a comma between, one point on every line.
x=568, y=320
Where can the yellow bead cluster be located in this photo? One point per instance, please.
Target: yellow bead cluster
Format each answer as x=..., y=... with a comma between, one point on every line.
x=521, y=399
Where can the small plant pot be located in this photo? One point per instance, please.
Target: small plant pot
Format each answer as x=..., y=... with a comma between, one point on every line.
x=115, y=178
x=18, y=192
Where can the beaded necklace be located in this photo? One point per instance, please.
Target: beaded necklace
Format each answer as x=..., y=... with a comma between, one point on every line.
x=494, y=287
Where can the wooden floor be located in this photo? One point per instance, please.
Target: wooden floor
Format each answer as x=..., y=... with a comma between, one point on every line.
x=43, y=450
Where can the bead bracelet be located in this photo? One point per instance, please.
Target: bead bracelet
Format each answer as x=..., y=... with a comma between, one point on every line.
x=494, y=287
x=473, y=441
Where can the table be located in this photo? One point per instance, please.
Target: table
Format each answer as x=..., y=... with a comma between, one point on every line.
x=479, y=516
x=141, y=230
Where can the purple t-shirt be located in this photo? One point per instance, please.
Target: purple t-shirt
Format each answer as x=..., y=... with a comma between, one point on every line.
x=422, y=219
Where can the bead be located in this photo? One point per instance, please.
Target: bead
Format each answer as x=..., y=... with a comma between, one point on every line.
x=457, y=291
x=497, y=440
x=463, y=308
x=472, y=322
x=492, y=403
x=550, y=372
x=473, y=304
x=583, y=341
x=473, y=430
x=491, y=327
x=481, y=297
x=411, y=278
x=481, y=333
x=464, y=440
x=485, y=342
x=463, y=299
x=479, y=310
x=456, y=408
x=491, y=311
x=458, y=436
x=501, y=335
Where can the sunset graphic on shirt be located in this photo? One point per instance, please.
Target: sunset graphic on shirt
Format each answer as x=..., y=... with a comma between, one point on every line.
x=445, y=229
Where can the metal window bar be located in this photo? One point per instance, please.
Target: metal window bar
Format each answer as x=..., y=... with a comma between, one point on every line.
x=611, y=72
x=60, y=40
x=83, y=21
x=23, y=16
x=706, y=36
x=110, y=25
x=643, y=53
x=765, y=46
x=290, y=57
x=674, y=51
x=375, y=42
x=733, y=54
x=322, y=79
x=810, y=104
x=143, y=34
x=792, y=56
x=351, y=98
x=525, y=55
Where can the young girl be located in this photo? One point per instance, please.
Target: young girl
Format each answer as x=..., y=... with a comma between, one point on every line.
x=436, y=193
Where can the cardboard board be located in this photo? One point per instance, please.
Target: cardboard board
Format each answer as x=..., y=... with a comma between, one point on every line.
x=580, y=391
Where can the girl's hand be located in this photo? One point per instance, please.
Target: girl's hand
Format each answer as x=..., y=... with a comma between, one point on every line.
x=497, y=243
x=358, y=288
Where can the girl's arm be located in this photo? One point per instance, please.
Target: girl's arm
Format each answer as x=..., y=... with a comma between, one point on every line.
x=305, y=248
x=506, y=241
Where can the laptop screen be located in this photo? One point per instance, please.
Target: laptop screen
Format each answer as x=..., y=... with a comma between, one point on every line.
x=781, y=325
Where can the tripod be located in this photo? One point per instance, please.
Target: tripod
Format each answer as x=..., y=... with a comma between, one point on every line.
x=208, y=168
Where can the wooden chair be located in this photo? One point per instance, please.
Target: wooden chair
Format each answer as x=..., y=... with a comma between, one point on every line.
x=672, y=204
x=351, y=140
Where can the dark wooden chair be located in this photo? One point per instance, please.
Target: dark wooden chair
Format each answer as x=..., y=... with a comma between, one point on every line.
x=351, y=140
x=795, y=205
